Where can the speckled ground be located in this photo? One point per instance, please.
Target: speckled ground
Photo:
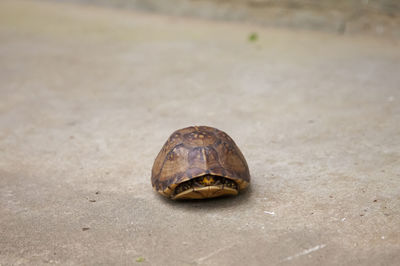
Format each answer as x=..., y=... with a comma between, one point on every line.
x=88, y=96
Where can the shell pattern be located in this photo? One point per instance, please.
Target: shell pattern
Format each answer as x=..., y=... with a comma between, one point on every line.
x=196, y=151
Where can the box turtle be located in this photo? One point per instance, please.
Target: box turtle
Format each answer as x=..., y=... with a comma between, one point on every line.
x=199, y=162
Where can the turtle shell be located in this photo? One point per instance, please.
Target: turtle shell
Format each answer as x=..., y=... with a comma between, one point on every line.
x=194, y=152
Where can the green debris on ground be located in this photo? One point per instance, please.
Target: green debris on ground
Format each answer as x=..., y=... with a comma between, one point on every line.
x=253, y=37
x=140, y=259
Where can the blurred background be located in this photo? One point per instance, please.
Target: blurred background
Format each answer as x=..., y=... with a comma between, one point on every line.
x=380, y=17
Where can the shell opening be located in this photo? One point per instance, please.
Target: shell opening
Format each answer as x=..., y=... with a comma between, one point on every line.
x=207, y=186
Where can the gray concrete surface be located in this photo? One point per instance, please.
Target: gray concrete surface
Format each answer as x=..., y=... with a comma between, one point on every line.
x=89, y=95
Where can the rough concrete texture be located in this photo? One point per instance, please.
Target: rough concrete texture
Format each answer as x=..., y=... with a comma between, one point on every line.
x=89, y=96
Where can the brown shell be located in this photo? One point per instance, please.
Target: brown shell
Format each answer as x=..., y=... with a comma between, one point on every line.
x=196, y=151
